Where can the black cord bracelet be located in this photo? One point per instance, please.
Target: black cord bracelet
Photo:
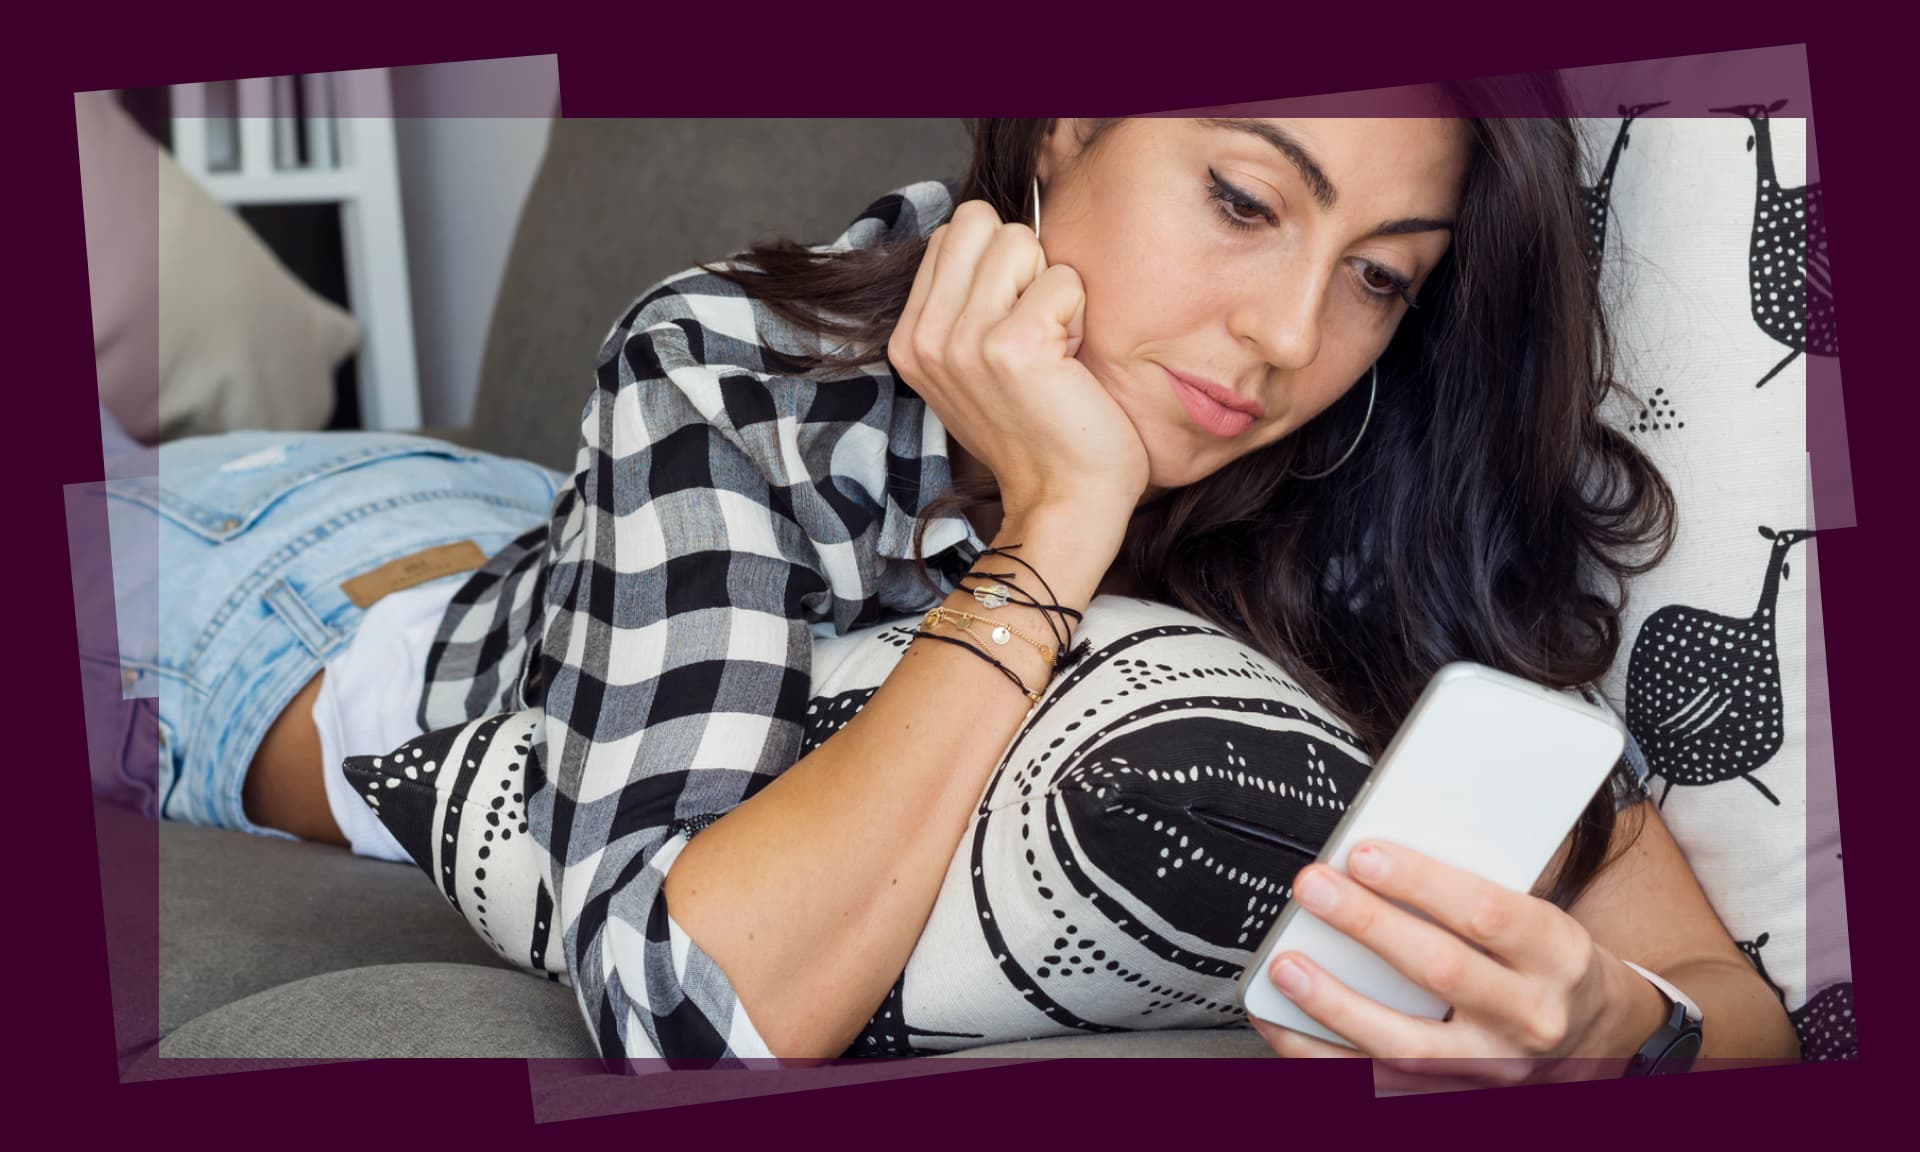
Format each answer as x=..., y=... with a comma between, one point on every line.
x=1036, y=572
x=1010, y=674
x=1005, y=580
x=1069, y=654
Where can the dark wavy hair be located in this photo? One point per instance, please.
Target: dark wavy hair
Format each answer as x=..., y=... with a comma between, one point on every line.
x=1490, y=515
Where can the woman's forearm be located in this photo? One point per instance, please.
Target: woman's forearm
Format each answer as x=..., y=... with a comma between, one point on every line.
x=812, y=894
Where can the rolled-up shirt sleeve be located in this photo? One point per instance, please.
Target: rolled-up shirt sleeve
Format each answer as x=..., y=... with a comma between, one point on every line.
x=686, y=574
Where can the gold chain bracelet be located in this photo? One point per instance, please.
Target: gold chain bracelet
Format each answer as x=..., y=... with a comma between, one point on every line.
x=1001, y=634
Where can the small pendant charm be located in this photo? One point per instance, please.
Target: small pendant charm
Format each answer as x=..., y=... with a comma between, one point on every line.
x=1001, y=635
x=991, y=595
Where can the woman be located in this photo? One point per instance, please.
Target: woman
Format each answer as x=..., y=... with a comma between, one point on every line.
x=1131, y=394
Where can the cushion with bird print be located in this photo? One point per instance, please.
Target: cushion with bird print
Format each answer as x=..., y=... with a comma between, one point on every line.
x=1711, y=253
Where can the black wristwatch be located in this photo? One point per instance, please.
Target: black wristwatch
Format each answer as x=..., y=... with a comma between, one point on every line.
x=1674, y=1044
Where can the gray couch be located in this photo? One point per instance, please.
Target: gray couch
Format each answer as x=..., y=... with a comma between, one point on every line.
x=269, y=948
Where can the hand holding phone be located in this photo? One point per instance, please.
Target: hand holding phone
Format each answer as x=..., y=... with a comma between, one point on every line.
x=1487, y=775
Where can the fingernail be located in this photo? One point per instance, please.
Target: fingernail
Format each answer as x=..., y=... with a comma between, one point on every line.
x=1316, y=891
x=1368, y=863
x=1290, y=977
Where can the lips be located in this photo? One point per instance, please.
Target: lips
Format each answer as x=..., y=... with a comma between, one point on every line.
x=1215, y=409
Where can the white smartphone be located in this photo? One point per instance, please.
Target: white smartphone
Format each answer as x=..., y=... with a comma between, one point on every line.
x=1488, y=774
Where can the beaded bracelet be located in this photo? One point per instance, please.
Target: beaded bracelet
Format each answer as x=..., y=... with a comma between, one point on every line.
x=1010, y=674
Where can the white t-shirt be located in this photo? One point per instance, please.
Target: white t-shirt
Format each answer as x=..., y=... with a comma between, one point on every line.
x=369, y=697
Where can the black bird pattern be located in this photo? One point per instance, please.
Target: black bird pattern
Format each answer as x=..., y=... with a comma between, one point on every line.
x=1703, y=690
x=1788, y=277
x=1599, y=198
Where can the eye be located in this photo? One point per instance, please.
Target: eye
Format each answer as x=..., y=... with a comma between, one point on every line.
x=1382, y=285
x=1237, y=209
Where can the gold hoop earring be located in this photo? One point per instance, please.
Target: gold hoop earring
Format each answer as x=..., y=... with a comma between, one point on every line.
x=1036, y=207
x=1373, y=390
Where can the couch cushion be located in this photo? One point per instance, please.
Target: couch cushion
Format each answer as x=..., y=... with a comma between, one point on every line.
x=240, y=913
x=431, y=1010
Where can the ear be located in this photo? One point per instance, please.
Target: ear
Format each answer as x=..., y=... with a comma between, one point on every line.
x=1059, y=138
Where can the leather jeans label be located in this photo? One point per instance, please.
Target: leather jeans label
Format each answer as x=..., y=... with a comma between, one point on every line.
x=416, y=568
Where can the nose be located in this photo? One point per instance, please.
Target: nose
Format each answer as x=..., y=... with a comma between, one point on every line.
x=1280, y=316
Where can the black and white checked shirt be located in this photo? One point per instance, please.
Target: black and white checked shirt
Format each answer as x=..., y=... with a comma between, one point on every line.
x=659, y=627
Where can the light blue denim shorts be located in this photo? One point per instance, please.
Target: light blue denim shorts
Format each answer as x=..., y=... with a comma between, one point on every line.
x=241, y=544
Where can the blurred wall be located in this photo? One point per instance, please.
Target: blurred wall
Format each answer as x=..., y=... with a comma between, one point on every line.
x=462, y=184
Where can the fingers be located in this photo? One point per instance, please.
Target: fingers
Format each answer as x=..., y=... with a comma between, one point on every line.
x=1418, y=949
x=1512, y=925
x=964, y=303
x=1370, y=1025
x=966, y=238
x=1009, y=263
x=1052, y=309
x=1299, y=1045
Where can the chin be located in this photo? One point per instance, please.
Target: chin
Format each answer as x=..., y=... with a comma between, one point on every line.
x=1171, y=470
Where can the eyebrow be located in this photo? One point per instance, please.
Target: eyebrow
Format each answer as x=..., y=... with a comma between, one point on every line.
x=1315, y=177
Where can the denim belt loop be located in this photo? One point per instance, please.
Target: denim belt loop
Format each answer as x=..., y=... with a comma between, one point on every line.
x=313, y=632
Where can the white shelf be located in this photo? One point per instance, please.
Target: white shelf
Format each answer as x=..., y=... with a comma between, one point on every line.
x=351, y=162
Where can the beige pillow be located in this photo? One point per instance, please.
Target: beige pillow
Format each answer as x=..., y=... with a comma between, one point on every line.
x=241, y=342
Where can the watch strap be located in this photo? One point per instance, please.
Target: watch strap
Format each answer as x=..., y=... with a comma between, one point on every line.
x=1671, y=993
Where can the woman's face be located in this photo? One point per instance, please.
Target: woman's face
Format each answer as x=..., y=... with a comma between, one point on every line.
x=1268, y=258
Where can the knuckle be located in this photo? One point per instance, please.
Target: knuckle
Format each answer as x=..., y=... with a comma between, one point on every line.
x=975, y=211
x=1491, y=916
x=1361, y=919
x=929, y=346
x=1575, y=959
x=1444, y=973
x=995, y=349
x=1546, y=1026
